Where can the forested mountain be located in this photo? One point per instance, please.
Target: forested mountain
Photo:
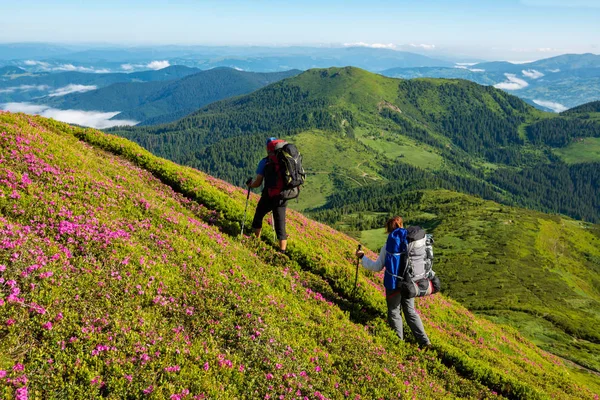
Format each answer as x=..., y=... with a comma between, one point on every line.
x=165, y=101
x=125, y=278
x=28, y=86
x=10, y=71
x=481, y=140
x=592, y=107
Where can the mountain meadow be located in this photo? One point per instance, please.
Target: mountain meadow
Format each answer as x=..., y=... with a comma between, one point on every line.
x=375, y=146
x=123, y=276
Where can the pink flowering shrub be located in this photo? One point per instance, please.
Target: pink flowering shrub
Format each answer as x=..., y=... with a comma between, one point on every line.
x=124, y=270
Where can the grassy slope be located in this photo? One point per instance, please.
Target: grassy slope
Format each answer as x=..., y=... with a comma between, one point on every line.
x=535, y=271
x=128, y=282
x=584, y=150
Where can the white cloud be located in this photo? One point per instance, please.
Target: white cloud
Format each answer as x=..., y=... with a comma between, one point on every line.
x=532, y=73
x=554, y=70
x=33, y=63
x=423, y=46
x=24, y=88
x=371, y=45
x=63, y=67
x=72, y=89
x=512, y=83
x=469, y=64
x=158, y=64
x=466, y=66
x=554, y=106
x=127, y=67
x=71, y=67
x=94, y=119
x=520, y=62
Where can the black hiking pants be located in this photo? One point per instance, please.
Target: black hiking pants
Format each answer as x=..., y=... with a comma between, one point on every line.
x=278, y=207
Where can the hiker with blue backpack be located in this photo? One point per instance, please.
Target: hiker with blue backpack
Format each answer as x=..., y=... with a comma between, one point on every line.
x=407, y=258
x=282, y=174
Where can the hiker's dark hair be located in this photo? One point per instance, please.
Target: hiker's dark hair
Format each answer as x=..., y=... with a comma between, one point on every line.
x=394, y=223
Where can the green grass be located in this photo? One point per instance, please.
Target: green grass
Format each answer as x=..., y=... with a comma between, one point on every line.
x=581, y=151
x=373, y=238
x=151, y=290
x=395, y=147
x=330, y=159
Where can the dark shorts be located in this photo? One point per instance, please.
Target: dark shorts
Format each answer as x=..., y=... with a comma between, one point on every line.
x=277, y=206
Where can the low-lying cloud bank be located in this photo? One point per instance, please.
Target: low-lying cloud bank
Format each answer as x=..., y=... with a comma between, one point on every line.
x=371, y=45
x=554, y=106
x=512, y=83
x=63, y=67
x=155, y=65
x=24, y=88
x=72, y=89
x=94, y=119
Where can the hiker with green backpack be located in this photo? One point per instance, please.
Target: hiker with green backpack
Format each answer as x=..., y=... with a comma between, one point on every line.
x=282, y=174
x=406, y=258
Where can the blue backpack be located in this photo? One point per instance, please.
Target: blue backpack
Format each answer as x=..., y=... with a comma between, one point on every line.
x=395, y=258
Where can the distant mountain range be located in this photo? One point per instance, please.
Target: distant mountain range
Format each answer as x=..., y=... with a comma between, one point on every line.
x=165, y=101
x=18, y=85
x=552, y=84
x=251, y=58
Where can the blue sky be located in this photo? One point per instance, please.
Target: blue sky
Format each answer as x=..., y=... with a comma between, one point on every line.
x=500, y=29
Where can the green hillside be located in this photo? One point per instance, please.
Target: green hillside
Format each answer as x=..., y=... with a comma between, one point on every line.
x=123, y=278
x=367, y=139
x=164, y=101
x=475, y=139
x=538, y=272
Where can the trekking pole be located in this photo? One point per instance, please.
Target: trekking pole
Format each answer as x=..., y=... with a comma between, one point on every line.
x=245, y=212
x=273, y=225
x=356, y=276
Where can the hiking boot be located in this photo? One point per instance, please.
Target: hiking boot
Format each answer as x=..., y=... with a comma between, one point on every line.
x=426, y=346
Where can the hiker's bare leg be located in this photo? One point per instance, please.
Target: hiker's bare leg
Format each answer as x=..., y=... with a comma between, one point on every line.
x=257, y=232
x=283, y=244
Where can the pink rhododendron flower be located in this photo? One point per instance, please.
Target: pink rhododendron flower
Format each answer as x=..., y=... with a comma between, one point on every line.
x=18, y=367
x=2, y=373
x=148, y=390
x=21, y=393
x=47, y=325
x=206, y=366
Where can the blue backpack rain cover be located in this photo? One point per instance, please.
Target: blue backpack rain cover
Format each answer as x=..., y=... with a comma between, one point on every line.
x=395, y=258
